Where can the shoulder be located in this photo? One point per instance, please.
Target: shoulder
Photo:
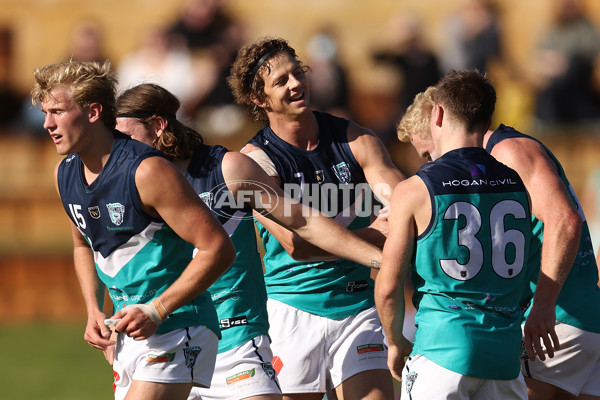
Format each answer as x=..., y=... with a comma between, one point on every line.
x=237, y=163
x=359, y=132
x=410, y=199
x=410, y=192
x=154, y=167
x=249, y=147
x=521, y=153
x=259, y=156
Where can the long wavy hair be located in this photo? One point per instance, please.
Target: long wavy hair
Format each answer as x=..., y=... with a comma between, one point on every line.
x=148, y=101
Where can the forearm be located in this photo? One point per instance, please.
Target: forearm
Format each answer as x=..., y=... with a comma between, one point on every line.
x=389, y=300
x=559, y=250
x=340, y=242
x=202, y=271
x=92, y=289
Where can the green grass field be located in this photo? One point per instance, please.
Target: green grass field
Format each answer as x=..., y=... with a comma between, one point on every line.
x=46, y=360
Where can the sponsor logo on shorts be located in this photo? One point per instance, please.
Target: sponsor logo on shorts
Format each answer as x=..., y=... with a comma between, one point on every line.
x=240, y=376
x=269, y=370
x=369, y=348
x=117, y=378
x=227, y=323
x=356, y=286
x=411, y=377
x=277, y=364
x=160, y=358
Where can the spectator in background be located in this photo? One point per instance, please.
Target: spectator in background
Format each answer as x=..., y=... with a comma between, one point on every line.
x=213, y=37
x=416, y=62
x=472, y=37
x=328, y=78
x=162, y=61
x=87, y=42
x=565, y=67
x=10, y=98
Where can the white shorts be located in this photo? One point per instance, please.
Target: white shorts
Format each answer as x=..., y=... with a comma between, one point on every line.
x=181, y=356
x=575, y=367
x=242, y=372
x=314, y=354
x=422, y=379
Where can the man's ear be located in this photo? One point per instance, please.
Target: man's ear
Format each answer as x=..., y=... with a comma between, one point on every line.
x=95, y=112
x=159, y=125
x=437, y=115
x=256, y=101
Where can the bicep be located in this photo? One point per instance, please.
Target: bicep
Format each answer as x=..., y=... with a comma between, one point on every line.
x=164, y=191
x=539, y=173
x=376, y=163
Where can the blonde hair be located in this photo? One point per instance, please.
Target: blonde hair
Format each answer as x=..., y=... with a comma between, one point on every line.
x=417, y=116
x=88, y=81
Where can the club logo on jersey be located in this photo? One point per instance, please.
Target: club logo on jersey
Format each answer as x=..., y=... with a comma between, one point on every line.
x=116, y=211
x=94, y=212
x=319, y=176
x=411, y=377
x=191, y=355
x=70, y=158
x=240, y=376
x=356, y=286
x=342, y=172
x=207, y=198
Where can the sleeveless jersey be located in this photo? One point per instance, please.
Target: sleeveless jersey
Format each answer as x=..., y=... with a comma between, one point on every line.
x=327, y=178
x=580, y=292
x=239, y=294
x=137, y=257
x=468, y=268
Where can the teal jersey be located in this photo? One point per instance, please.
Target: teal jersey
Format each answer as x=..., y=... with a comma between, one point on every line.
x=469, y=266
x=579, y=300
x=137, y=257
x=329, y=179
x=239, y=294
x=335, y=290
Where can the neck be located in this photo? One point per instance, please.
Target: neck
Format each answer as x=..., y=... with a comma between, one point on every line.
x=302, y=132
x=95, y=156
x=459, y=139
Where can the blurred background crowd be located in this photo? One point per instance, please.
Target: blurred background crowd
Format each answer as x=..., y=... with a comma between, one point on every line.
x=368, y=59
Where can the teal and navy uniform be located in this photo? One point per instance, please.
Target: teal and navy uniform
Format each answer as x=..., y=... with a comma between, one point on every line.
x=239, y=294
x=468, y=268
x=328, y=173
x=580, y=292
x=137, y=257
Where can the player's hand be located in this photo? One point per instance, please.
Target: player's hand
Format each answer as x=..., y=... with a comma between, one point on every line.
x=97, y=333
x=381, y=222
x=396, y=356
x=539, y=328
x=138, y=321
